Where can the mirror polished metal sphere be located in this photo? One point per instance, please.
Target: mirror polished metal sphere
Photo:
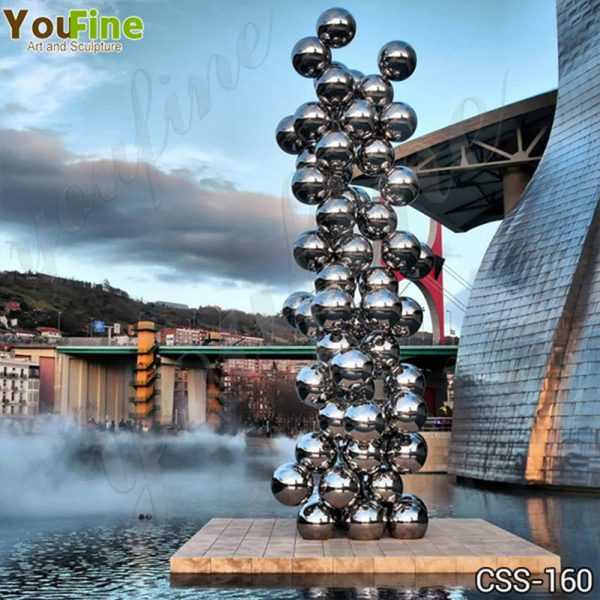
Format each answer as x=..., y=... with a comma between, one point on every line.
x=376, y=89
x=405, y=377
x=332, y=308
x=313, y=385
x=355, y=251
x=336, y=27
x=305, y=322
x=376, y=157
x=399, y=186
x=361, y=196
x=366, y=521
x=408, y=519
x=405, y=412
x=311, y=122
x=311, y=251
x=309, y=185
x=385, y=485
x=290, y=305
x=315, y=450
x=398, y=122
x=310, y=57
x=286, y=136
x=338, y=275
x=401, y=250
x=336, y=216
x=339, y=487
x=351, y=370
x=412, y=318
x=376, y=220
x=397, y=60
x=360, y=120
x=407, y=452
x=335, y=88
x=334, y=152
x=316, y=521
x=383, y=348
x=377, y=278
x=381, y=309
x=424, y=264
x=364, y=457
x=364, y=422
x=331, y=344
x=291, y=484
x=306, y=159
x=331, y=419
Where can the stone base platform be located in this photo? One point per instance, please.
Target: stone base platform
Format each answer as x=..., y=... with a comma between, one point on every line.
x=228, y=548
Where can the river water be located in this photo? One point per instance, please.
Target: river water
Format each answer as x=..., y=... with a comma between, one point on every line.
x=69, y=508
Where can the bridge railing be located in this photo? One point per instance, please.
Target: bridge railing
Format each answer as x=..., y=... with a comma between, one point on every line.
x=438, y=424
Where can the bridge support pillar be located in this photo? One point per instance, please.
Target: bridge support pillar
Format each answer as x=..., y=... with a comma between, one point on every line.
x=514, y=181
x=197, y=397
x=166, y=391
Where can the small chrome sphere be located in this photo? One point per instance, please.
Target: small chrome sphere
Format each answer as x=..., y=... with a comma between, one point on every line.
x=355, y=251
x=309, y=185
x=331, y=419
x=338, y=275
x=405, y=412
x=362, y=457
x=424, y=264
x=316, y=521
x=305, y=322
x=399, y=186
x=331, y=344
x=334, y=152
x=408, y=518
x=311, y=251
x=336, y=216
x=313, y=385
x=306, y=159
x=407, y=452
x=412, y=318
x=360, y=120
x=398, y=122
x=361, y=196
x=376, y=89
x=364, y=422
x=351, y=371
x=376, y=220
x=316, y=451
x=336, y=27
x=376, y=157
x=291, y=484
x=366, y=521
x=383, y=348
x=401, y=250
x=332, y=308
x=335, y=88
x=310, y=57
x=311, y=122
x=405, y=377
x=397, y=60
x=358, y=76
x=377, y=278
x=290, y=305
x=381, y=309
x=286, y=136
x=339, y=486
x=385, y=485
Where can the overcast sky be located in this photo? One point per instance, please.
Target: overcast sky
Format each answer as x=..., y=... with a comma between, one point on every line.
x=157, y=168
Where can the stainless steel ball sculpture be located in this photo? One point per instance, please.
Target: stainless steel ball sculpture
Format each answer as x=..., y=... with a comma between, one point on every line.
x=348, y=476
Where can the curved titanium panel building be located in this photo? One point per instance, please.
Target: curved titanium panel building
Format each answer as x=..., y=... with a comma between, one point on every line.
x=528, y=372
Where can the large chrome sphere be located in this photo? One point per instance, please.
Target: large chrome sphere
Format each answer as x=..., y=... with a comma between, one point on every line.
x=309, y=185
x=376, y=89
x=363, y=457
x=305, y=322
x=336, y=216
x=375, y=157
x=351, y=371
x=313, y=385
x=364, y=422
x=315, y=450
x=306, y=159
x=405, y=412
x=316, y=521
x=405, y=377
x=397, y=60
x=408, y=519
x=331, y=419
x=335, y=88
x=291, y=484
x=339, y=486
x=338, y=275
x=424, y=264
x=355, y=251
x=332, y=308
x=377, y=278
x=311, y=122
x=334, y=152
x=366, y=521
x=336, y=27
x=376, y=220
x=401, y=250
x=310, y=57
x=385, y=485
x=398, y=122
x=286, y=136
x=399, y=186
x=290, y=305
x=311, y=251
x=383, y=348
x=381, y=309
x=331, y=344
x=407, y=452
x=360, y=120
x=412, y=318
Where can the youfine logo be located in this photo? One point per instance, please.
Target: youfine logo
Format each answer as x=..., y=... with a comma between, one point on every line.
x=80, y=30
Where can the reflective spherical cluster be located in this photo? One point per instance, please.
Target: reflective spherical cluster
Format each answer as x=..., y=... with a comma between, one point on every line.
x=369, y=405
